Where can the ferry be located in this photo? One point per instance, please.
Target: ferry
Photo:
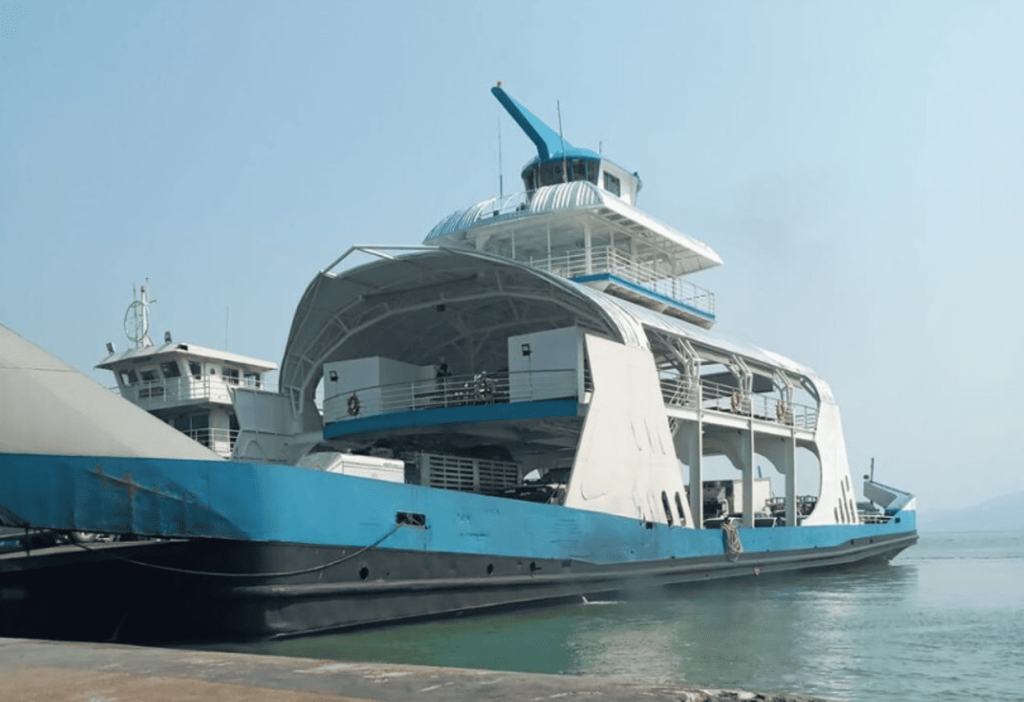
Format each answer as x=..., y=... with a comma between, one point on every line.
x=521, y=410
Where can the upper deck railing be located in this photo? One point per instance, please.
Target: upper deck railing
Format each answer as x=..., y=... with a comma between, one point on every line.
x=516, y=203
x=453, y=391
x=579, y=263
x=726, y=399
x=153, y=394
x=505, y=387
x=637, y=269
x=220, y=441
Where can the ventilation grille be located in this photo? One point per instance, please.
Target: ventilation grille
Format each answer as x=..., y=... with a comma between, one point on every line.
x=468, y=474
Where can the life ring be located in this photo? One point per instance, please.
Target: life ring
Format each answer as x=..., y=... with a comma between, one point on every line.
x=780, y=410
x=735, y=402
x=353, y=405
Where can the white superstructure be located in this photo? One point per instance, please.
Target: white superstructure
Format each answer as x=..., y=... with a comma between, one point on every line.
x=655, y=393
x=550, y=332
x=187, y=386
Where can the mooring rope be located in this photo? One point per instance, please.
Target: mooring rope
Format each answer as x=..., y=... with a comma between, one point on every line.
x=733, y=546
x=212, y=574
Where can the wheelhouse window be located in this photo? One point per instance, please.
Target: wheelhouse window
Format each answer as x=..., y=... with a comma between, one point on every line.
x=129, y=377
x=584, y=169
x=152, y=389
x=252, y=380
x=612, y=184
x=195, y=369
x=553, y=172
x=232, y=375
x=170, y=369
x=561, y=171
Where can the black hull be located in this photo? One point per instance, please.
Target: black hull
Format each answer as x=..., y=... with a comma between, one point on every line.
x=257, y=593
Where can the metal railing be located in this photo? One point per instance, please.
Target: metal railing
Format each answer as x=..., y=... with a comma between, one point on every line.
x=509, y=204
x=679, y=392
x=608, y=259
x=220, y=441
x=188, y=388
x=453, y=391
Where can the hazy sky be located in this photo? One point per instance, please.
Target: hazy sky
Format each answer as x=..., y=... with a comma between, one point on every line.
x=858, y=165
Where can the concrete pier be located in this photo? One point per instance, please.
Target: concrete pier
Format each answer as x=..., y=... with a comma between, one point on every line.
x=49, y=671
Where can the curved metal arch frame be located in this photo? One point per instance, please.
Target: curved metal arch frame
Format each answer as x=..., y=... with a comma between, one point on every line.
x=301, y=370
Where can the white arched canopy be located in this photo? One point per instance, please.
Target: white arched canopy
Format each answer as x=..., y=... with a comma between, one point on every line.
x=455, y=304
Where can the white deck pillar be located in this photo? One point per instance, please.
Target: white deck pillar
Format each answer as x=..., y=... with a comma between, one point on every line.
x=689, y=444
x=791, y=510
x=747, y=455
x=781, y=451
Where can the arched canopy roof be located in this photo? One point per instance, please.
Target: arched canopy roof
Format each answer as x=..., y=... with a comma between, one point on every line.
x=463, y=305
x=718, y=346
x=415, y=308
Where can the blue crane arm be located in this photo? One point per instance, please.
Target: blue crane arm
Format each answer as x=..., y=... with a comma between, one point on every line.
x=546, y=139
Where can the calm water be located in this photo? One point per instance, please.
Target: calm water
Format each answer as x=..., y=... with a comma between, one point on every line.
x=944, y=621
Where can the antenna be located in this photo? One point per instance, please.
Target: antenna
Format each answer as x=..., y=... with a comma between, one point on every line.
x=565, y=172
x=136, y=318
x=501, y=171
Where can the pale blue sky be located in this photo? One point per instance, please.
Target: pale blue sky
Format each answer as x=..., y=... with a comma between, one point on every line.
x=858, y=165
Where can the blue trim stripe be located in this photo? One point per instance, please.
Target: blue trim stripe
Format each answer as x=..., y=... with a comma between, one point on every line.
x=452, y=415
x=646, y=292
x=275, y=503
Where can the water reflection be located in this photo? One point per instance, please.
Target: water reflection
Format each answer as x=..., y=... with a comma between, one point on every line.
x=947, y=618
x=628, y=639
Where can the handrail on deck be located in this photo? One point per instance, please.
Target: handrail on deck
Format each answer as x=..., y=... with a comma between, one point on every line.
x=189, y=388
x=577, y=263
x=717, y=397
x=500, y=387
x=220, y=441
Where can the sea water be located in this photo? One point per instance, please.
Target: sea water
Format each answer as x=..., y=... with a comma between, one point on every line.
x=945, y=620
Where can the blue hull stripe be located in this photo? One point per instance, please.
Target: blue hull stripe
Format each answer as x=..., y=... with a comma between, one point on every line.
x=276, y=503
x=452, y=415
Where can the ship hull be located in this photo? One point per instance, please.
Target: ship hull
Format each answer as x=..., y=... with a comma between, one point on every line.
x=253, y=551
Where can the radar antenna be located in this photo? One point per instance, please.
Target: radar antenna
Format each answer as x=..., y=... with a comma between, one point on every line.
x=136, y=318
